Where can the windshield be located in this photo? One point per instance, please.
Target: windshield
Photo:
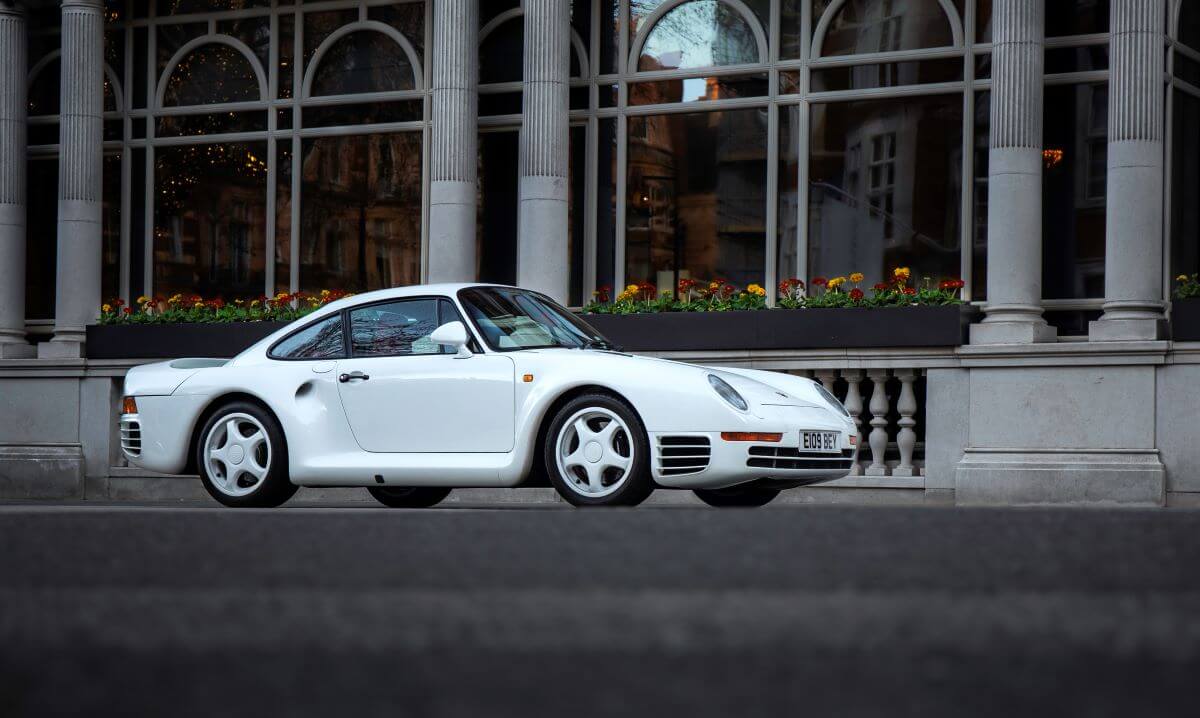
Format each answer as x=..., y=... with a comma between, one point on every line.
x=511, y=319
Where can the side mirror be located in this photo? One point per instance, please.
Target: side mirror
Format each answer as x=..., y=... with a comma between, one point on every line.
x=453, y=334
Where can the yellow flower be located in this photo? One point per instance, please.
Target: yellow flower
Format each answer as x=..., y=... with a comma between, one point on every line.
x=901, y=273
x=254, y=303
x=143, y=299
x=106, y=308
x=238, y=302
x=198, y=305
x=281, y=295
x=756, y=290
x=1181, y=278
x=174, y=299
x=836, y=282
x=325, y=292
x=856, y=277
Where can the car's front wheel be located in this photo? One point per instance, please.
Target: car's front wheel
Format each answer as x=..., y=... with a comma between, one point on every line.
x=242, y=457
x=597, y=453
x=737, y=496
x=408, y=497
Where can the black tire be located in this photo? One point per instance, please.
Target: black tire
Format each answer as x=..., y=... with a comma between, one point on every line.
x=636, y=485
x=408, y=497
x=737, y=496
x=275, y=487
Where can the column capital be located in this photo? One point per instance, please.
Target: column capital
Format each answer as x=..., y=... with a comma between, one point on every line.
x=97, y=5
x=8, y=7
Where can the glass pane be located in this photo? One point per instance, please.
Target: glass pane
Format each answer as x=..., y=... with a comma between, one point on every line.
x=322, y=340
x=863, y=26
x=44, y=93
x=640, y=10
x=576, y=212
x=287, y=55
x=1076, y=59
x=702, y=33
x=892, y=74
x=610, y=36
x=606, y=202
x=395, y=329
x=885, y=181
x=110, y=273
x=696, y=197
x=1189, y=25
x=41, y=229
x=179, y=7
x=365, y=61
x=365, y=113
x=255, y=32
x=1185, y=186
x=983, y=20
x=1073, y=190
x=318, y=26
x=1079, y=17
x=211, y=124
x=497, y=203
x=408, y=18
x=210, y=219
x=361, y=212
x=979, y=209
x=212, y=74
x=789, y=198
x=283, y=215
x=790, y=35
x=501, y=53
x=695, y=89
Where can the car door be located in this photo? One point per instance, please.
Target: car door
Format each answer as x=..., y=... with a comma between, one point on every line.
x=404, y=394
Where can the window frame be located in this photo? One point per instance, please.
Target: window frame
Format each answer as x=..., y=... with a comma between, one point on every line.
x=437, y=298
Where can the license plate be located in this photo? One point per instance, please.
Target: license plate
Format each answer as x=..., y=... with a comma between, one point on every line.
x=823, y=441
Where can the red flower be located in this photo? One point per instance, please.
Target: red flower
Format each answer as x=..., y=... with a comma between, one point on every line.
x=909, y=290
x=819, y=281
x=128, y=310
x=856, y=294
x=880, y=287
x=119, y=302
x=952, y=284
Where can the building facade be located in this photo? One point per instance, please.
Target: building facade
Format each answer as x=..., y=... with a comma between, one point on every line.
x=1046, y=152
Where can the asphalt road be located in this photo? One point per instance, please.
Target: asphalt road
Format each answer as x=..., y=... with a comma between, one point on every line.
x=667, y=611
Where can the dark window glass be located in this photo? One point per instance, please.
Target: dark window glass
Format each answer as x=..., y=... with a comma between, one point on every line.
x=179, y=7
x=1074, y=180
x=863, y=26
x=610, y=36
x=1185, y=186
x=361, y=221
x=212, y=123
x=283, y=215
x=1078, y=17
x=788, y=202
x=979, y=209
x=110, y=216
x=40, y=247
x=1189, y=25
x=171, y=38
x=362, y=113
x=365, y=61
x=319, y=25
x=892, y=74
x=255, y=32
x=1076, y=59
x=695, y=89
x=501, y=53
x=211, y=74
x=791, y=39
x=701, y=33
x=397, y=328
x=210, y=219
x=640, y=11
x=983, y=20
x=287, y=55
x=408, y=18
x=43, y=92
x=606, y=203
x=696, y=197
x=322, y=340
x=512, y=319
x=885, y=187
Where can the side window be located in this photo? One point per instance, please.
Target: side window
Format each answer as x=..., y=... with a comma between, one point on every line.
x=399, y=328
x=322, y=340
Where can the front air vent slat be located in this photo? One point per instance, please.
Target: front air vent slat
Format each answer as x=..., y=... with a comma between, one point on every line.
x=679, y=455
x=131, y=438
x=789, y=457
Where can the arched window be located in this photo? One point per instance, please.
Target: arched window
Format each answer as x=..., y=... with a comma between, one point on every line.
x=865, y=26
x=363, y=61
x=502, y=49
x=211, y=74
x=700, y=33
x=43, y=96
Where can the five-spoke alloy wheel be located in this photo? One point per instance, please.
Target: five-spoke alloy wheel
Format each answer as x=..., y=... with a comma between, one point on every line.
x=597, y=453
x=242, y=457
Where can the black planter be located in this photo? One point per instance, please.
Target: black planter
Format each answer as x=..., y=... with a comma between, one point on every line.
x=787, y=329
x=172, y=341
x=1185, y=320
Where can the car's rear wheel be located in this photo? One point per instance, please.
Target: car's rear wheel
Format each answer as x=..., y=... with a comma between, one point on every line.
x=242, y=457
x=597, y=453
x=408, y=497
x=737, y=496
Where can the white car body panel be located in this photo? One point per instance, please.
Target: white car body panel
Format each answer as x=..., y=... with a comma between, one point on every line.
x=444, y=420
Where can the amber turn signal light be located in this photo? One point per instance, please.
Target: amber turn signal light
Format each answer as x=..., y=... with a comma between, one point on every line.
x=128, y=405
x=749, y=436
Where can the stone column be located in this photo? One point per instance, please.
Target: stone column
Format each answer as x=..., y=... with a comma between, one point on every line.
x=453, y=162
x=80, y=163
x=1133, y=296
x=542, y=256
x=1014, y=283
x=12, y=183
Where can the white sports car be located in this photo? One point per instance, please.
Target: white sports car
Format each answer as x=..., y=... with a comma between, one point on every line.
x=414, y=391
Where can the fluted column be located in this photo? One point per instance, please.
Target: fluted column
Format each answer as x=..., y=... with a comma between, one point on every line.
x=1014, y=282
x=80, y=158
x=12, y=182
x=1133, y=297
x=542, y=256
x=454, y=159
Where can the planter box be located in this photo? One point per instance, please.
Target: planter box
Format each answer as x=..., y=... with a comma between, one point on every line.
x=172, y=341
x=788, y=329
x=1185, y=320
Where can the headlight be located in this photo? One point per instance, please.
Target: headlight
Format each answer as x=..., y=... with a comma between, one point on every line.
x=831, y=399
x=727, y=393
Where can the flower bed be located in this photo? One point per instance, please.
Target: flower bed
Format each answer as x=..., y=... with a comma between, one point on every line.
x=193, y=309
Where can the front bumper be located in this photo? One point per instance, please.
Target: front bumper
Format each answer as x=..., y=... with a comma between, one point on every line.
x=703, y=460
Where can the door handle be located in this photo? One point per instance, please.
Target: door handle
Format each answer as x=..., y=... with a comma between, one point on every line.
x=352, y=376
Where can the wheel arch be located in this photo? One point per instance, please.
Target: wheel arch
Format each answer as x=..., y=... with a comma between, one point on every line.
x=538, y=475
x=212, y=407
